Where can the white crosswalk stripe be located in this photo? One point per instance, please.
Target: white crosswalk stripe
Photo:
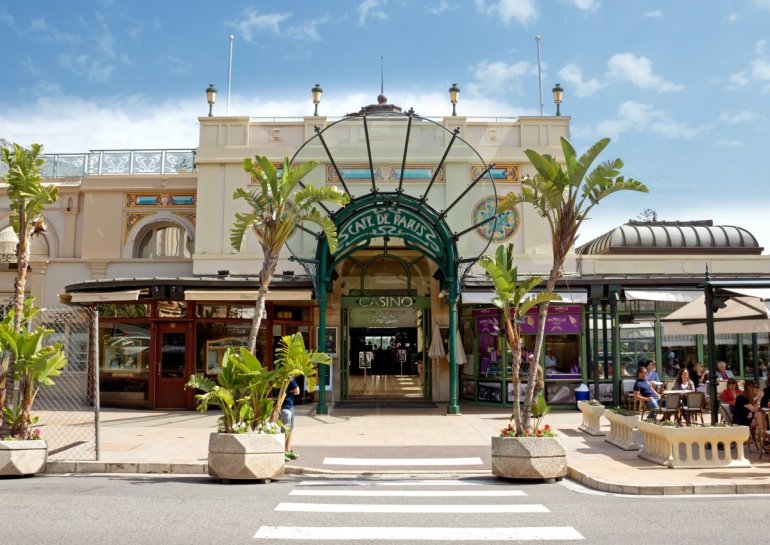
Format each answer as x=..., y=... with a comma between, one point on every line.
x=425, y=501
x=473, y=461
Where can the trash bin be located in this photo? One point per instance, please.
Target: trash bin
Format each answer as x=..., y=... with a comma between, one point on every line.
x=582, y=394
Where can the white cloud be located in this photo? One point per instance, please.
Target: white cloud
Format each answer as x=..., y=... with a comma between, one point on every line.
x=637, y=117
x=744, y=116
x=49, y=33
x=586, y=5
x=496, y=77
x=638, y=71
x=175, y=64
x=93, y=69
x=653, y=13
x=443, y=6
x=732, y=18
x=573, y=75
x=371, y=9
x=522, y=11
x=738, y=80
x=759, y=69
x=253, y=22
x=7, y=18
x=764, y=4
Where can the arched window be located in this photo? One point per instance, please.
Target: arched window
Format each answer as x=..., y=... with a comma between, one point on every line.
x=164, y=240
x=38, y=248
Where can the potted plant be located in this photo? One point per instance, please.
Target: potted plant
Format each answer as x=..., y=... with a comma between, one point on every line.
x=33, y=364
x=521, y=451
x=622, y=423
x=532, y=454
x=592, y=412
x=249, y=441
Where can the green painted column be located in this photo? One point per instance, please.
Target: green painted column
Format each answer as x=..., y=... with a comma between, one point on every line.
x=322, y=407
x=453, y=407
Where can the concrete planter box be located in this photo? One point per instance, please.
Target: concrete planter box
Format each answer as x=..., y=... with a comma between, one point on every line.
x=591, y=416
x=246, y=456
x=686, y=447
x=528, y=458
x=23, y=457
x=621, y=430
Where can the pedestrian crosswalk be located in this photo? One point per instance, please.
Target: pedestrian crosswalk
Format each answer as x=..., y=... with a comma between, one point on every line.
x=470, y=505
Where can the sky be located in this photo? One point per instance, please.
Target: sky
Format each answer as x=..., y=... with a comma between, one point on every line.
x=681, y=88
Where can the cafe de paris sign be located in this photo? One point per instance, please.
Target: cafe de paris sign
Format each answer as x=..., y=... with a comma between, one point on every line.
x=385, y=221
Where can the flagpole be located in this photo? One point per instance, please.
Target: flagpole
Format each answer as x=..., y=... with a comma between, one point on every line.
x=539, y=74
x=230, y=71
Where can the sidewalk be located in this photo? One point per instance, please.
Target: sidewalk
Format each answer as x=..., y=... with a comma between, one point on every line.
x=177, y=442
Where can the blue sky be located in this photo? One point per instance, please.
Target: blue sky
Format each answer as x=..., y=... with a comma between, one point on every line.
x=681, y=87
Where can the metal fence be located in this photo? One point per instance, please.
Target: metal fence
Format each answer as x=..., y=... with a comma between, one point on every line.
x=67, y=410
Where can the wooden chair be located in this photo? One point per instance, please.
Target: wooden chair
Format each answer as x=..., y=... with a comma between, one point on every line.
x=764, y=435
x=694, y=408
x=672, y=407
x=629, y=397
x=725, y=411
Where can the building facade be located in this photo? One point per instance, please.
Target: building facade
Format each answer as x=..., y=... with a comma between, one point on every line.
x=144, y=236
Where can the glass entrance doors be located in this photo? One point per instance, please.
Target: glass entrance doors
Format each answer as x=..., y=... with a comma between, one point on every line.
x=385, y=363
x=172, y=371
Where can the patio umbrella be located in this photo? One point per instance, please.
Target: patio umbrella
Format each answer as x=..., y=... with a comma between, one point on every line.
x=436, y=345
x=460, y=357
x=739, y=314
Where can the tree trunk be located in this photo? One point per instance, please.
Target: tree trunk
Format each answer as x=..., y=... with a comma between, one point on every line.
x=514, y=341
x=269, y=265
x=556, y=267
x=22, y=258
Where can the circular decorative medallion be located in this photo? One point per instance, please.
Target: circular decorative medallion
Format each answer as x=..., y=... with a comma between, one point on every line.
x=507, y=222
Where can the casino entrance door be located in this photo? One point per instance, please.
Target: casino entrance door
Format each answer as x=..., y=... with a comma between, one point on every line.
x=384, y=348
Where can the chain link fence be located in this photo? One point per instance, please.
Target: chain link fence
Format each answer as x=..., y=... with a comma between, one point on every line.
x=67, y=410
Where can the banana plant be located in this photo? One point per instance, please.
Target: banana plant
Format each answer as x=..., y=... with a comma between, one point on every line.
x=514, y=296
x=35, y=364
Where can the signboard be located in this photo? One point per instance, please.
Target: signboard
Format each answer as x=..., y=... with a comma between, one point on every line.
x=387, y=221
x=365, y=360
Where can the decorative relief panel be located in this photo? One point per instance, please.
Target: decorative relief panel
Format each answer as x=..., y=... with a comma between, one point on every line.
x=130, y=220
x=500, y=173
x=507, y=223
x=189, y=216
x=161, y=200
x=384, y=173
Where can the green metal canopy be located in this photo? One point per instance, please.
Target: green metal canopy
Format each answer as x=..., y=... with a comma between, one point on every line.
x=411, y=181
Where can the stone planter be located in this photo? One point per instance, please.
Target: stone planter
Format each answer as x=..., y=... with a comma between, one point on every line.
x=542, y=458
x=23, y=457
x=694, y=447
x=246, y=456
x=591, y=416
x=621, y=430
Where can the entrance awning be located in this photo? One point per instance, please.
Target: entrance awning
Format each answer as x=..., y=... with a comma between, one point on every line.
x=247, y=295
x=102, y=296
x=485, y=297
x=675, y=296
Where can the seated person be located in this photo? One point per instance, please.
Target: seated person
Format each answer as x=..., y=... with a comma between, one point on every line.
x=683, y=381
x=699, y=377
x=643, y=390
x=723, y=373
x=550, y=360
x=652, y=374
x=730, y=393
x=765, y=402
x=745, y=411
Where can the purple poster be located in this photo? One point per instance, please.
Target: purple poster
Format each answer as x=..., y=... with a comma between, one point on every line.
x=561, y=319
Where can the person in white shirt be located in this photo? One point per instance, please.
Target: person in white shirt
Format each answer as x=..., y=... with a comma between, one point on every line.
x=723, y=373
x=550, y=359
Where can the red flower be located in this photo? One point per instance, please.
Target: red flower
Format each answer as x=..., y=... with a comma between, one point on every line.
x=547, y=427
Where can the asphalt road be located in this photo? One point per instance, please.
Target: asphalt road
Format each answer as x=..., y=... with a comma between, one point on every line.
x=170, y=510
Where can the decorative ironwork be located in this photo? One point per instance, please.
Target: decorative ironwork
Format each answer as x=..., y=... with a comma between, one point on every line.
x=507, y=223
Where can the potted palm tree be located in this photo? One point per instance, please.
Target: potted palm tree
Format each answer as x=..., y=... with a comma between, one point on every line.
x=279, y=204
x=521, y=452
x=564, y=192
x=34, y=363
x=249, y=441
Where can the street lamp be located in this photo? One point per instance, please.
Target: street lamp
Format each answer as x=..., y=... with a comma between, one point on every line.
x=317, y=92
x=558, y=92
x=454, y=93
x=211, y=97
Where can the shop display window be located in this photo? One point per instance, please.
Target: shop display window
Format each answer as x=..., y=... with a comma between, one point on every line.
x=213, y=340
x=125, y=360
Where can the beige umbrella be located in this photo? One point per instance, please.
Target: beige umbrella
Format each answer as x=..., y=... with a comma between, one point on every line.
x=436, y=345
x=739, y=314
x=460, y=357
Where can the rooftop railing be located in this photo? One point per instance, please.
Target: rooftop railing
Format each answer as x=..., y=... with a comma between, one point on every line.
x=116, y=162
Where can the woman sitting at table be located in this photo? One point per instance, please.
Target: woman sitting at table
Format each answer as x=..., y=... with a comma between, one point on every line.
x=699, y=377
x=746, y=412
x=683, y=381
x=731, y=392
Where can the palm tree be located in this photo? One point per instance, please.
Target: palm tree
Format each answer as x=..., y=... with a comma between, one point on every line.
x=28, y=199
x=514, y=299
x=564, y=194
x=277, y=209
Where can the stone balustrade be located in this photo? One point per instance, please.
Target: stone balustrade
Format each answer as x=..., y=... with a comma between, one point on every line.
x=621, y=430
x=694, y=447
x=591, y=417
